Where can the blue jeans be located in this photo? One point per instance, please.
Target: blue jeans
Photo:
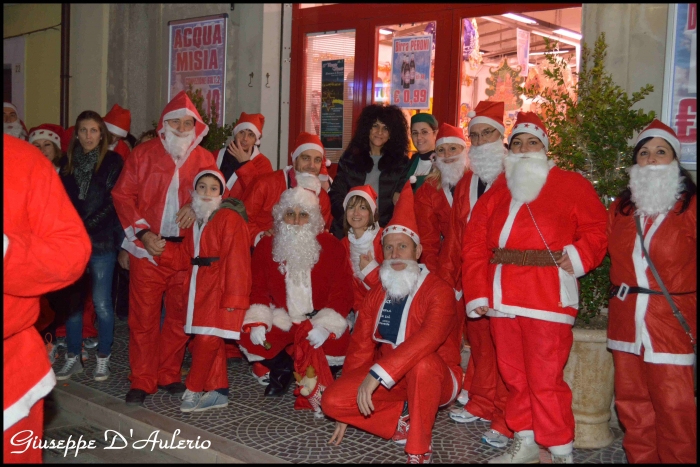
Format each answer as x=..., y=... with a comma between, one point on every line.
x=101, y=273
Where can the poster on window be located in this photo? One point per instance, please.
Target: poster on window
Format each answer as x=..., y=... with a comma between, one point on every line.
x=410, y=72
x=680, y=89
x=197, y=56
x=332, y=90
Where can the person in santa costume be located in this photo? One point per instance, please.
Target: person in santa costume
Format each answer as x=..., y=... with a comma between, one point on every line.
x=424, y=129
x=300, y=291
x=363, y=240
x=45, y=248
x=483, y=395
x=47, y=138
x=652, y=352
x=12, y=125
x=524, y=246
x=152, y=198
x=216, y=254
x=243, y=147
x=404, y=353
x=118, y=122
x=265, y=191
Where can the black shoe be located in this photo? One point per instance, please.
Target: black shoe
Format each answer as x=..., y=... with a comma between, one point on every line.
x=281, y=374
x=335, y=369
x=174, y=389
x=135, y=397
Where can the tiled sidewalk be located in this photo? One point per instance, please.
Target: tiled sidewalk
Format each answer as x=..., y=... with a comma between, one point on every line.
x=273, y=427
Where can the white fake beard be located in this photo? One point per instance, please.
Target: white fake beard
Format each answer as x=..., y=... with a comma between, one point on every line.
x=655, y=188
x=14, y=129
x=203, y=209
x=295, y=247
x=399, y=284
x=177, y=143
x=486, y=161
x=526, y=174
x=453, y=172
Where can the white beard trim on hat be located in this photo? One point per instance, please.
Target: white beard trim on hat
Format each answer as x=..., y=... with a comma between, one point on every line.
x=526, y=174
x=655, y=188
x=14, y=129
x=451, y=172
x=486, y=161
x=399, y=284
x=177, y=143
x=203, y=209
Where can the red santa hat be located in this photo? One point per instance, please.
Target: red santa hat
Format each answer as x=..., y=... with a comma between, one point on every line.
x=657, y=129
x=67, y=136
x=53, y=133
x=448, y=134
x=181, y=106
x=529, y=122
x=216, y=173
x=364, y=191
x=118, y=121
x=490, y=113
x=252, y=122
x=12, y=106
x=306, y=141
x=404, y=218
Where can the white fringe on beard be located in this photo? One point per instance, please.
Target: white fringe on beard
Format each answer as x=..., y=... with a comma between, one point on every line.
x=177, y=143
x=14, y=129
x=526, y=174
x=203, y=209
x=399, y=284
x=655, y=188
x=453, y=172
x=486, y=161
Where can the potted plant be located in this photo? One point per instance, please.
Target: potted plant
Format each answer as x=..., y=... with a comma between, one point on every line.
x=217, y=136
x=590, y=127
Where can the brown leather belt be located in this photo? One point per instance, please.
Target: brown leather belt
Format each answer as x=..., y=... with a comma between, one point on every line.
x=524, y=257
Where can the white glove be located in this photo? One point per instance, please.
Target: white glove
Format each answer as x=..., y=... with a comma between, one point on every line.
x=257, y=335
x=317, y=336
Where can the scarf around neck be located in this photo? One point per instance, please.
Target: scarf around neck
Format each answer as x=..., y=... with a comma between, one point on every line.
x=83, y=168
x=361, y=246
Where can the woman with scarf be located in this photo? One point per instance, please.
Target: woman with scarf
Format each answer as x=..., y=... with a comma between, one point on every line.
x=89, y=172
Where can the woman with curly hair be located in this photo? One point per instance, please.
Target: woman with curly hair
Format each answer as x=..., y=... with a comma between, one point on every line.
x=376, y=156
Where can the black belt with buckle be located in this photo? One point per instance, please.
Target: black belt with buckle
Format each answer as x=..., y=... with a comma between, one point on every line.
x=204, y=261
x=312, y=314
x=173, y=239
x=621, y=291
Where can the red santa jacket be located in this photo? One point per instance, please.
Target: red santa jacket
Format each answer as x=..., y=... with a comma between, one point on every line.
x=450, y=258
x=45, y=248
x=644, y=319
x=152, y=188
x=262, y=195
x=224, y=284
x=569, y=215
x=433, y=208
x=330, y=294
x=433, y=325
x=244, y=176
x=369, y=276
x=121, y=148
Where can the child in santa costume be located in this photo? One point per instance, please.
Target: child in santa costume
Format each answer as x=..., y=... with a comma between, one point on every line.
x=216, y=255
x=265, y=191
x=483, y=395
x=118, y=122
x=652, y=352
x=524, y=247
x=241, y=160
x=152, y=200
x=45, y=248
x=413, y=319
x=300, y=292
x=363, y=240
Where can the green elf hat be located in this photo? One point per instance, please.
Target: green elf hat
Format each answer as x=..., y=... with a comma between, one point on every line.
x=425, y=118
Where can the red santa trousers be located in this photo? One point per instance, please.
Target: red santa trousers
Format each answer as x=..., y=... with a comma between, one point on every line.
x=155, y=355
x=531, y=355
x=33, y=427
x=208, y=370
x=426, y=386
x=488, y=394
x=656, y=406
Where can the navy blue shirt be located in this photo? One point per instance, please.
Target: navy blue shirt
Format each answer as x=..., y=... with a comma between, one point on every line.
x=390, y=319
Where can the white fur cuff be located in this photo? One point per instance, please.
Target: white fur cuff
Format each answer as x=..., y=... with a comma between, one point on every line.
x=331, y=320
x=258, y=314
x=281, y=319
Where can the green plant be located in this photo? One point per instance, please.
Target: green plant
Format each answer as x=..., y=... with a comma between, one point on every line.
x=589, y=129
x=217, y=136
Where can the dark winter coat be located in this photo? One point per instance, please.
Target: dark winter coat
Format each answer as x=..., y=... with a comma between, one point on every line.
x=97, y=209
x=352, y=171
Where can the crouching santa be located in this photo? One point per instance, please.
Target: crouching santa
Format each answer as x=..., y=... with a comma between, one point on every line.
x=216, y=253
x=301, y=296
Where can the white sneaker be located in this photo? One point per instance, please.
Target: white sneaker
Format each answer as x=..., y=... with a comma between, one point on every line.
x=72, y=366
x=102, y=369
x=566, y=459
x=211, y=400
x=61, y=342
x=460, y=415
x=190, y=400
x=494, y=438
x=463, y=398
x=521, y=451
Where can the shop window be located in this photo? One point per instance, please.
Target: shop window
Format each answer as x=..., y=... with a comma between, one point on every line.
x=330, y=60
